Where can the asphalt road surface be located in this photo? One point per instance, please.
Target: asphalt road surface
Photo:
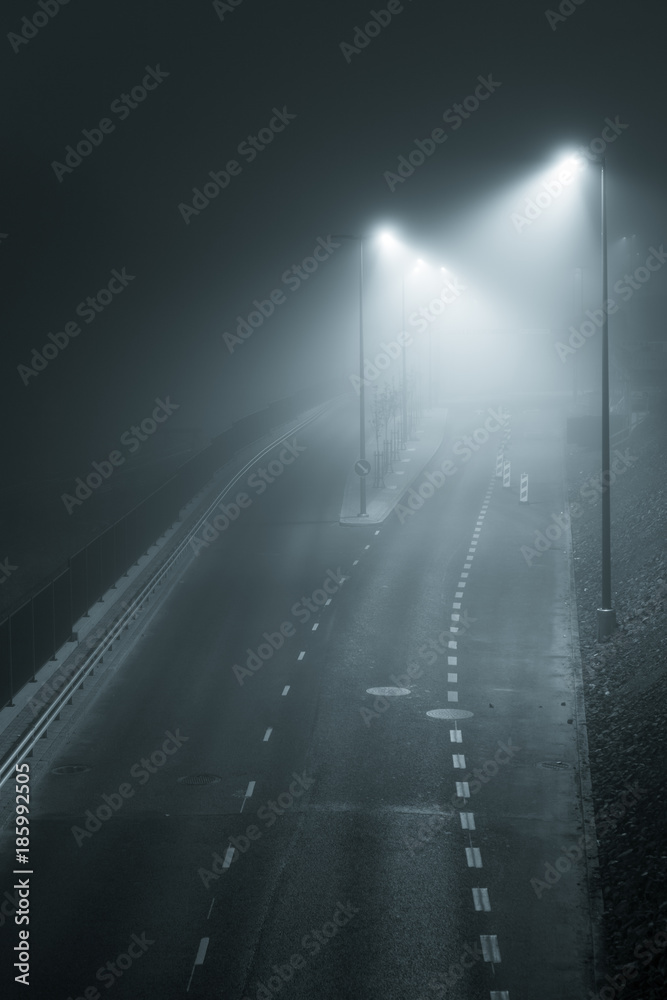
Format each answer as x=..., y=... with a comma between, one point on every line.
x=246, y=817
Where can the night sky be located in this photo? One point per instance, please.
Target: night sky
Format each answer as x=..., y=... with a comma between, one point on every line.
x=221, y=73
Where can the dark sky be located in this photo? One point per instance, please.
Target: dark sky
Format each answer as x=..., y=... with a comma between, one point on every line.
x=226, y=72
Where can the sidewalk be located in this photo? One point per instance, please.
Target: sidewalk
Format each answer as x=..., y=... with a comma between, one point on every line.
x=380, y=501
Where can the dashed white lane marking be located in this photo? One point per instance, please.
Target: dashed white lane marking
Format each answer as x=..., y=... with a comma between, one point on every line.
x=285, y=690
x=455, y=617
x=367, y=546
x=474, y=857
x=327, y=602
x=481, y=900
x=490, y=948
x=452, y=696
x=467, y=820
x=458, y=759
x=301, y=654
x=453, y=628
x=457, y=604
x=467, y=565
x=463, y=790
x=248, y=793
x=461, y=584
x=400, y=472
x=355, y=562
x=500, y=995
x=210, y=908
x=377, y=532
x=411, y=449
x=459, y=593
x=451, y=661
x=199, y=960
x=315, y=626
x=267, y=734
x=455, y=736
x=452, y=644
x=452, y=678
x=465, y=575
x=229, y=857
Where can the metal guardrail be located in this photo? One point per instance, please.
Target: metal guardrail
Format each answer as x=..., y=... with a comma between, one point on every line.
x=36, y=627
x=53, y=710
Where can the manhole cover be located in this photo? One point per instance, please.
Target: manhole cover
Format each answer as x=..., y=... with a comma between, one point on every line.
x=388, y=691
x=449, y=713
x=70, y=769
x=554, y=765
x=199, y=779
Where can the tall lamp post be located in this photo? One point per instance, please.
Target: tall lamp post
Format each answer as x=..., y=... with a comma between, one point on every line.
x=606, y=615
x=404, y=393
x=362, y=401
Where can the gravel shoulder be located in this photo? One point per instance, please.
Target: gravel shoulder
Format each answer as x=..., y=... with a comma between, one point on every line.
x=625, y=682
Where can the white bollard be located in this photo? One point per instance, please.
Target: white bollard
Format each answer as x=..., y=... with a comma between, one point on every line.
x=523, y=494
x=506, y=474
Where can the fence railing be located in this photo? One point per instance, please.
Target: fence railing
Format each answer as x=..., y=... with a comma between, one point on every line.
x=32, y=633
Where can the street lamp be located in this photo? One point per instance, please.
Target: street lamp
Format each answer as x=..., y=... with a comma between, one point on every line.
x=606, y=616
x=362, y=402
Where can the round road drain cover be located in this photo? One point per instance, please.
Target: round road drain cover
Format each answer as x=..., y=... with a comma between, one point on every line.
x=387, y=691
x=449, y=713
x=199, y=779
